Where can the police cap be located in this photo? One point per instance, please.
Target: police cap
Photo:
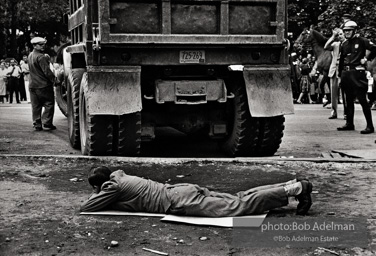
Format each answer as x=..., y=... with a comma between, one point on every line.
x=350, y=25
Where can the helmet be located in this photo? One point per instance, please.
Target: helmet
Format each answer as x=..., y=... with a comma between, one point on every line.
x=350, y=25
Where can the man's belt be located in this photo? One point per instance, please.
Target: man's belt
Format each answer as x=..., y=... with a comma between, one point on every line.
x=348, y=68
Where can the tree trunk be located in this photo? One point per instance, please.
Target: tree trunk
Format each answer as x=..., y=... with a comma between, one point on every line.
x=13, y=26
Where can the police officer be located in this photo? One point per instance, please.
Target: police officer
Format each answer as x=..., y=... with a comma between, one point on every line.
x=41, y=87
x=353, y=75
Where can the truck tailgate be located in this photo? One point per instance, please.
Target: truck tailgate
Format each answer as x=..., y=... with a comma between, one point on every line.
x=192, y=22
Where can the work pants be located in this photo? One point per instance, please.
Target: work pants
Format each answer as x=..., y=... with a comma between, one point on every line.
x=42, y=97
x=192, y=200
x=13, y=86
x=355, y=84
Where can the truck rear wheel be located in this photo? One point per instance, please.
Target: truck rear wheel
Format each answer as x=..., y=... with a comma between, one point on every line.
x=61, y=97
x=73, y=95
x=95, y=130
x=129, y=134
x=271, y=133
x=252, y=136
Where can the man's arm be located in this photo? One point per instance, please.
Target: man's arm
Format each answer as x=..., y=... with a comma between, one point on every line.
x=45, y=66
x=372, y=48
x=98, y=201
x=328, y=45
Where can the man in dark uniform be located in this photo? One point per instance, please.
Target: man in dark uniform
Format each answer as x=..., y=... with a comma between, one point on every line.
x=41, y=86
x=353, y=75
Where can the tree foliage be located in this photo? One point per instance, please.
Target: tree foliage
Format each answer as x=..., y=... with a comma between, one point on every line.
x=45, y=18
x=361, y=11
x=327, y=14
x=20, y=18
x=303, y=13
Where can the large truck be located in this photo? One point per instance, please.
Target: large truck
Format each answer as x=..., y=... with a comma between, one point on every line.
x=214, y=67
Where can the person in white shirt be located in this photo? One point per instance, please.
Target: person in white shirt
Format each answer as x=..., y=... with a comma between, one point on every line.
x=333, y=44
x=26, y=73
x=3, y=81
x=14, y=74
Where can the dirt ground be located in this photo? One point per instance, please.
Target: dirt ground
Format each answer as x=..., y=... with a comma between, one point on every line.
x=39, y=211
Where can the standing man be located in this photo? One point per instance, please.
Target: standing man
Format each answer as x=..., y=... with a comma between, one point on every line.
x=26, y=74
x=353, y=77
x=14, y=75
x=333, y=44
x=41, y=84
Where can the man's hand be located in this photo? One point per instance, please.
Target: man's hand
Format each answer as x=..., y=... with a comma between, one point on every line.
x=335, y=33
x=363, y=61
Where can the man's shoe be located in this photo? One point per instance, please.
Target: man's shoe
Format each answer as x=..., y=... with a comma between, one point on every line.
x=368, y=130
x=49, y=127
x=333, y=117
x=346, y=127
x=304, y=198
x=38, y=128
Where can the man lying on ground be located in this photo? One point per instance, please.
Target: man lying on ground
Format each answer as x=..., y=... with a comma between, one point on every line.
x=119, y=191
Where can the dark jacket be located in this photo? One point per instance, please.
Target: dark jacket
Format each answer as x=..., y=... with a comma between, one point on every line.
x=41, y=75
x=354, y=49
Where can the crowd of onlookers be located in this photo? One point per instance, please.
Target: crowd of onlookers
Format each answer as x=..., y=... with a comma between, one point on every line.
x=14, y=80
x=306, y=81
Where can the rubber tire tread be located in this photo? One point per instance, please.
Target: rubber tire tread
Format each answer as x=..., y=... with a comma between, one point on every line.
x=74, y=83
x=99, y=132
x=252, y=136
x=129, y=134
x=61, y=90
x=243, y=137
x=61, y=98
x=270, y=136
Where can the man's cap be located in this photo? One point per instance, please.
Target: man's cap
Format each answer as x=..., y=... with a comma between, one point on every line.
x=346, y=15
x=13, y=61
x=349, y=25
x=37, y=40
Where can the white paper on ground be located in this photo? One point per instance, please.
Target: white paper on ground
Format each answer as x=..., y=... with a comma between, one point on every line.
x=244, y=221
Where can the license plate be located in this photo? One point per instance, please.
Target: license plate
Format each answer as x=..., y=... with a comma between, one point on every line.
x=192, y=57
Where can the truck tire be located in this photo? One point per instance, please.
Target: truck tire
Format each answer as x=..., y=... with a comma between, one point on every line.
x=61, y=97
x=252, y=136
x=242, y=139
x=270, y=136
x=73, y=94
x=95, y=130
x=61, y=90
x=129, y=134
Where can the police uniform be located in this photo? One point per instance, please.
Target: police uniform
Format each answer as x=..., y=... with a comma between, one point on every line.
x=353, y=78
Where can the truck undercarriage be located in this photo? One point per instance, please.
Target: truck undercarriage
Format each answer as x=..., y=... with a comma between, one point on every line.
x=143, y=65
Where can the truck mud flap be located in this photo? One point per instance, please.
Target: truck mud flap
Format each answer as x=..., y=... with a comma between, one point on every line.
x=268, y=90
x=114, y=90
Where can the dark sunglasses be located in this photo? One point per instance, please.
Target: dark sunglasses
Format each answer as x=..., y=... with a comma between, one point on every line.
x=41, y=44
